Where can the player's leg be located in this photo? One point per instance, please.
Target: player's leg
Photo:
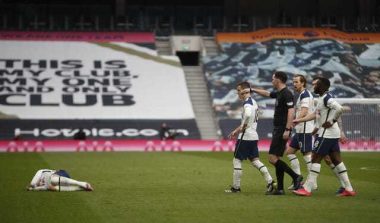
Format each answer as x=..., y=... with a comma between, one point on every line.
x=254, y=158
x=336, y=173
x=306, y=148
x=271, y=184
x=321, y=149
x=291, y=154
x=236, y=176
x=57, y=180
x=343, y=175
x=307, y=159
x=263, y=170
x=240, y=154
x=65, y=188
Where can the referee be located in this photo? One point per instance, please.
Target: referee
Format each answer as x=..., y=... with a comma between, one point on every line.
x=282, y=128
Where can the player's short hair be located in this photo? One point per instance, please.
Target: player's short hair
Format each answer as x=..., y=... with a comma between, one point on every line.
x=281, y=76
x=302, y=79
x=244, y=85
x=324, y=81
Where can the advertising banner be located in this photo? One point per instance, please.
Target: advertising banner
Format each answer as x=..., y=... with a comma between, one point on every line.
x=152, y=146
x=49, y=79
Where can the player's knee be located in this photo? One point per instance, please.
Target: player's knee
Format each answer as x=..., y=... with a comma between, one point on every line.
x=272, y=159
x=236, y=163
x=257, y=163
x=336, y=162
x=289, y=151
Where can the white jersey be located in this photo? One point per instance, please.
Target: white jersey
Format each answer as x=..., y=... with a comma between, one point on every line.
x=249, y=117
x=42, y=178
x=328, y=109
x=305, y=100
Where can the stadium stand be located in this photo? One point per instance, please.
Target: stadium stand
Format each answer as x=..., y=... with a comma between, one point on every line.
x=350, y=61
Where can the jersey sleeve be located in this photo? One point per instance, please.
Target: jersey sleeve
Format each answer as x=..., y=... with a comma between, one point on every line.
x=273, y=94
x=36, y=178
x=247, y=114
x=333, y=104
x=305, y=101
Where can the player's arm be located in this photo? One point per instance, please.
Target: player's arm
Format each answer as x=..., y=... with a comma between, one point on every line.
x=343, y=139
x=247, y=113
x=290, y=115
x=289, y=124
x=332, y=104
x=261, y=92
x=303, y=112
x=36, y=179
x=308, y=117
x=304, y=107
x=236, y=131
x=39, y=188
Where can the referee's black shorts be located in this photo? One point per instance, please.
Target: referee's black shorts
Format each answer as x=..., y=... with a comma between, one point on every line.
x=278, y=144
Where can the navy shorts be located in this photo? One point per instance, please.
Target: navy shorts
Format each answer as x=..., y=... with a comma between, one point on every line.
x=63, y=173
x=247, y=149
x=324, y=146
x=278, y=144
x=302, y=142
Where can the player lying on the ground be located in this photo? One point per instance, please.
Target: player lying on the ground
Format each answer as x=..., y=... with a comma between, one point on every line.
x=54, y=180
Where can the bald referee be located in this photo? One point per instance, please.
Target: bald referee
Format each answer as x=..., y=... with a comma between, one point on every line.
x=282, y=127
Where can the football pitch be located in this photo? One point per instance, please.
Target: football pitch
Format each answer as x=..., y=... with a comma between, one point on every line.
x=178, y=187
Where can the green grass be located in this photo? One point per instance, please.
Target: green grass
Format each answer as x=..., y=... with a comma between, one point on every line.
x=178, y=187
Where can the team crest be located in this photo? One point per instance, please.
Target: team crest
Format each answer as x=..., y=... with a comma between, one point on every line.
x=316, y=144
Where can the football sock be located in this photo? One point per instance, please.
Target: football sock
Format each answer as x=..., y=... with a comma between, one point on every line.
x=279, y=175
x=307, y=159
x=238, y=171
x=287, y=169
x=343, y=176
x=336, y=172
x=263, y=170
x=312, y=178
x=294, y=163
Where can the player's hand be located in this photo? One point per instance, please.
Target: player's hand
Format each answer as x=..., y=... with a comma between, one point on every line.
x=327, y=125
x=343, y=139
x=233, y=134
x=295, y=122
x=244, y=127
x=315, y=131
x=286, y=135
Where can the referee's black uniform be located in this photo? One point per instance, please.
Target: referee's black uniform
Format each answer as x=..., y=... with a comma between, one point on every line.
x=284, y=102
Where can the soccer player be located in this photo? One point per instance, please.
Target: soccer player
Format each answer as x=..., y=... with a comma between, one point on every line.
x=302, y=139
x=282, y=122
x=327, y=113
x=246, y=145
x=53, y=180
